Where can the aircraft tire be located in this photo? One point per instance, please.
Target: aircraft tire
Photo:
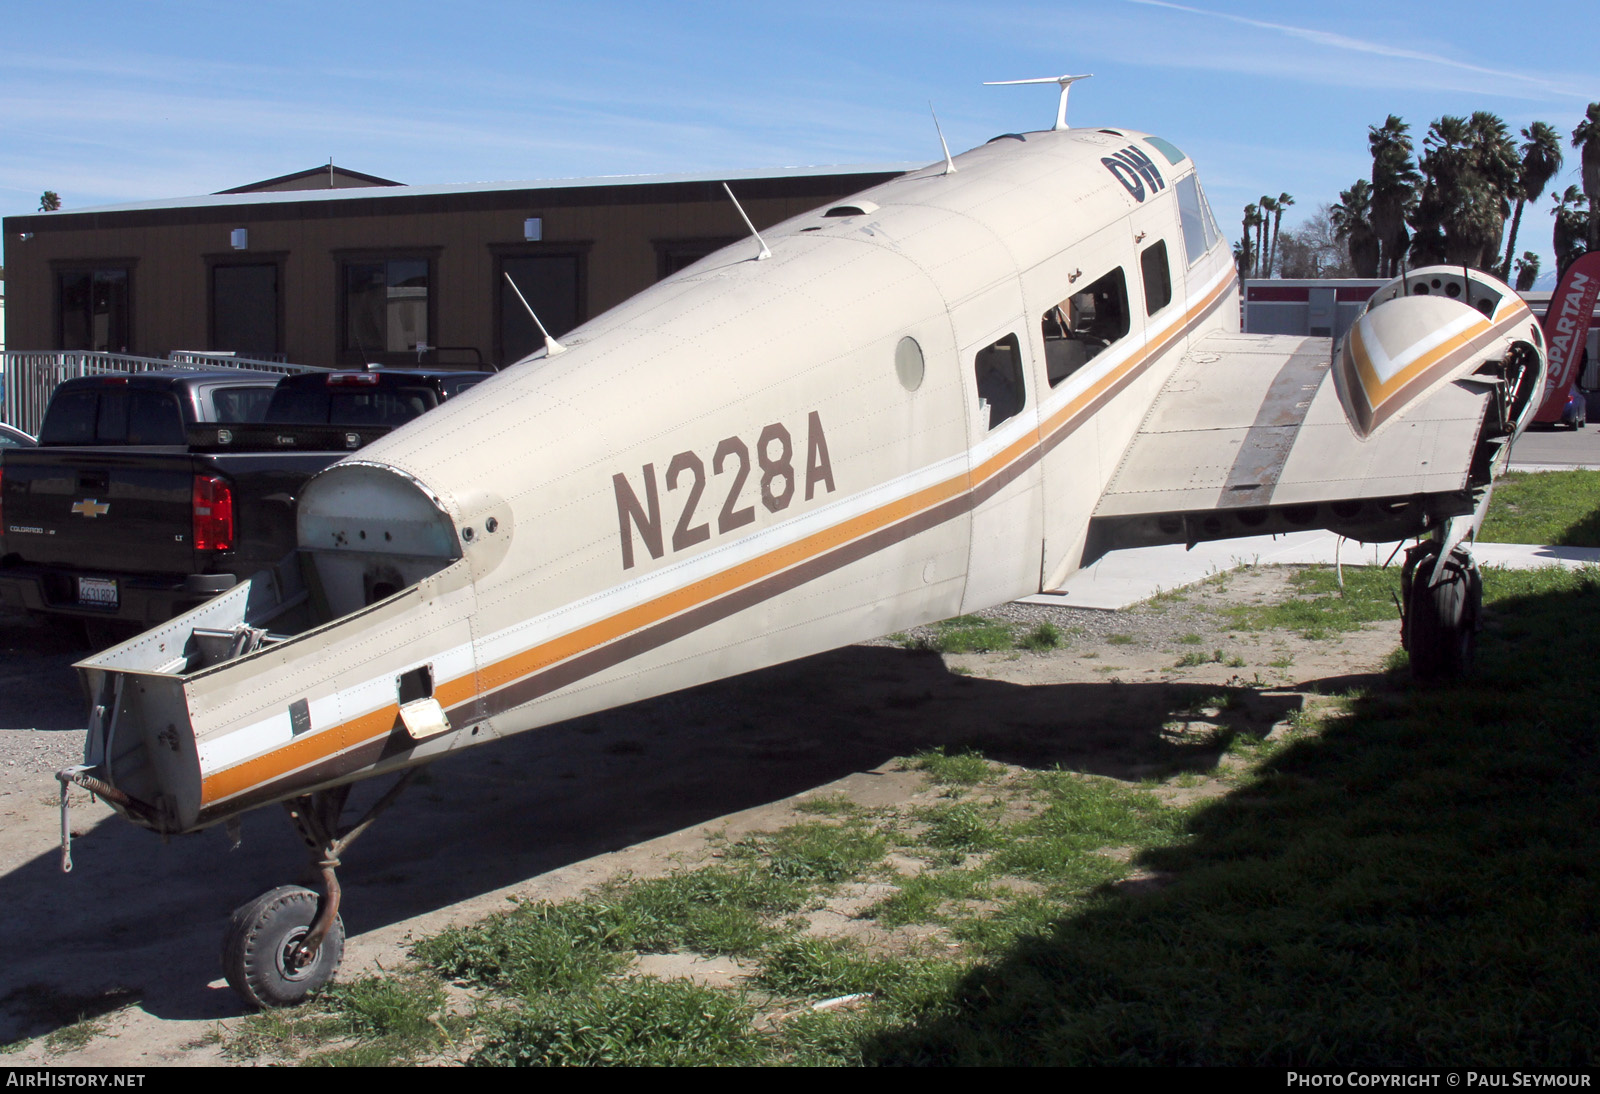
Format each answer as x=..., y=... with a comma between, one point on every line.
x=259, y=942
x=1443, y=633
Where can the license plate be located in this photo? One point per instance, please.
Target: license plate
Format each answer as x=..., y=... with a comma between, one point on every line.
x=99, y=591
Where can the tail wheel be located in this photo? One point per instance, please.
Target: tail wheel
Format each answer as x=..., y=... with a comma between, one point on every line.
x=261, y=949
x=1441, y=626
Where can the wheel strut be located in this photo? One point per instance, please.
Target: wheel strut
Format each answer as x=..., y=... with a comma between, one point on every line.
x=316, y=817
x=288, y=942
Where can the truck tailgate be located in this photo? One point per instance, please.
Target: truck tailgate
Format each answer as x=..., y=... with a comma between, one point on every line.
x=113, y=509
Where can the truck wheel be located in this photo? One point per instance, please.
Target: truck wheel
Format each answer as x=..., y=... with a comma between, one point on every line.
x=259, y=949
x=1442, y=632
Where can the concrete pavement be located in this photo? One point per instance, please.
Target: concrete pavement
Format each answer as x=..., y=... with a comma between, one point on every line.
x=1123, y=578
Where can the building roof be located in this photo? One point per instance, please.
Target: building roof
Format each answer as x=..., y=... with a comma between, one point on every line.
x=323, y=177
x=265, y=199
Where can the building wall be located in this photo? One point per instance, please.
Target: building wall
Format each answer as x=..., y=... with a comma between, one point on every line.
x=616, y=228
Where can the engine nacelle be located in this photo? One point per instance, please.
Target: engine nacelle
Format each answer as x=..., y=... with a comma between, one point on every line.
x=1434, y=326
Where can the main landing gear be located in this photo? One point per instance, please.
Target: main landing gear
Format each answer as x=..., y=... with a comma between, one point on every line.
x=287, y=943
x=1440, y=612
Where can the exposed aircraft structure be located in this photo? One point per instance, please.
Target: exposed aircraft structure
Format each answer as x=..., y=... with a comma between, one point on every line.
x=943, y=393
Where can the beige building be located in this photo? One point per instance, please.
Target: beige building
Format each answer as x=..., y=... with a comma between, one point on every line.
x=332, y=267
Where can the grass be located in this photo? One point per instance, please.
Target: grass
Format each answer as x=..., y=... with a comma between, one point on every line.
x=75, y=1018
x=1045, y=636
x=1407, y=878
x=1558, y=508
x=1320, y=609
x=1411, y=884
x=643, y=1022
x=962, y=769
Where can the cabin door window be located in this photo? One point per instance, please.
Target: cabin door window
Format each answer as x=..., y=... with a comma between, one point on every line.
x=1001, y=393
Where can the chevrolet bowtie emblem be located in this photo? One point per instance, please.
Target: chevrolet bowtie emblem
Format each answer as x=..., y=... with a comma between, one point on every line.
x=91, y=507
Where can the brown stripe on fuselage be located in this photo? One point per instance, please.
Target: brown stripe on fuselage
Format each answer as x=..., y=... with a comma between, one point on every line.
x=254, y=782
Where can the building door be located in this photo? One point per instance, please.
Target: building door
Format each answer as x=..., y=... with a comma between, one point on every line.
x=550, y=283
x=244, y=309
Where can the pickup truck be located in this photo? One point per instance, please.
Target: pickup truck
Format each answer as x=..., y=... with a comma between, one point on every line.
x=148, y=524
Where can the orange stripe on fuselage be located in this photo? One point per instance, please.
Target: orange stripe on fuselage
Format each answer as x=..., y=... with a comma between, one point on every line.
x=322, y=745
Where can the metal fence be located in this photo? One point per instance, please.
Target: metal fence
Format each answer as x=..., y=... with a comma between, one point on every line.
x=30, y=377
x=225, y=359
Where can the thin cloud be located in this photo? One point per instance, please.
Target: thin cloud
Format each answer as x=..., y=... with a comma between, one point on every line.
x=1379, y=49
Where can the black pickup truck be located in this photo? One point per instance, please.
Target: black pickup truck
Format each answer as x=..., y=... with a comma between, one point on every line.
x=143, y=524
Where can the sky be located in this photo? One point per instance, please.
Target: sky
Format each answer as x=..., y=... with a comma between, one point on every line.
x=111, y=102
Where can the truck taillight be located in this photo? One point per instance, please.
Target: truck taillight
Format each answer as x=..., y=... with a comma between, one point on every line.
x=213, y=513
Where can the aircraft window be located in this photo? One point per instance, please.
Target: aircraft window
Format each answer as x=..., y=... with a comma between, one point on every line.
x=1199, y=229
x=1157, y=277
x=1167, y=149
x=861, y=208
x=908, y=363
x=999, y=372
x=1085, y=323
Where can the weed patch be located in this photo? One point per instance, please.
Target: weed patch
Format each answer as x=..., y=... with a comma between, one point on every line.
x=962, y=769
x=1320, y=609
x=643, y=1022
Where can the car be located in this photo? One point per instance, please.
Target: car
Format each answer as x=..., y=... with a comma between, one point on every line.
x=14, y=438
x=1575, y=414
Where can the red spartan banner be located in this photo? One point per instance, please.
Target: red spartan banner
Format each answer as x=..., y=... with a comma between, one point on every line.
x=1566, y=328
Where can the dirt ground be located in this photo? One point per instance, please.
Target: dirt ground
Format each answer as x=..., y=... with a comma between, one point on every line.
x=131, y=936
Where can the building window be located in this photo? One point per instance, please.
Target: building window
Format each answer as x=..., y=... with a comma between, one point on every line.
x=673, y=255
x=93, y=309
x=245, y=309
x=386, y=305
x=551, y=282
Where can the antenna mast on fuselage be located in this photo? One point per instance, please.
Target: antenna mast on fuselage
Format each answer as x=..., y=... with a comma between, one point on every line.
x=1066, y=83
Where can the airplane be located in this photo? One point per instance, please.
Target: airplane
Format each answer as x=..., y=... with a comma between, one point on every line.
x=946, y=392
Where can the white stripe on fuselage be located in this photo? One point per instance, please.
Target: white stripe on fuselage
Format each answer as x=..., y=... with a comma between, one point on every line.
x=274, y=731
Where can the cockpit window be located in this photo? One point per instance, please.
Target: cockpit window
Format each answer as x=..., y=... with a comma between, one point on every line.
x=1199, y=229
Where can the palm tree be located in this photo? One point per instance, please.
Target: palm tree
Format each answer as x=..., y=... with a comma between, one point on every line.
x=1352, y=223
x=1394, y=190
x=1587, y=138
x=1527, y=271
x=1261, y=232
x=1498, y=168
x=1241, y=257
x=1541, y=159
x=1470, y=171
x=1252, y=219
x=49, y=201
x=1278, y=206
x=1573, y=223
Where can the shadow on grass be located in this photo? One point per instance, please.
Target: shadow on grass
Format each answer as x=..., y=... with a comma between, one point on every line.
x=1582, y=533
x=1415, y=886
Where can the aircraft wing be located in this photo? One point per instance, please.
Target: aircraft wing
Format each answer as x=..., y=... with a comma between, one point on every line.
x=1249, y=436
